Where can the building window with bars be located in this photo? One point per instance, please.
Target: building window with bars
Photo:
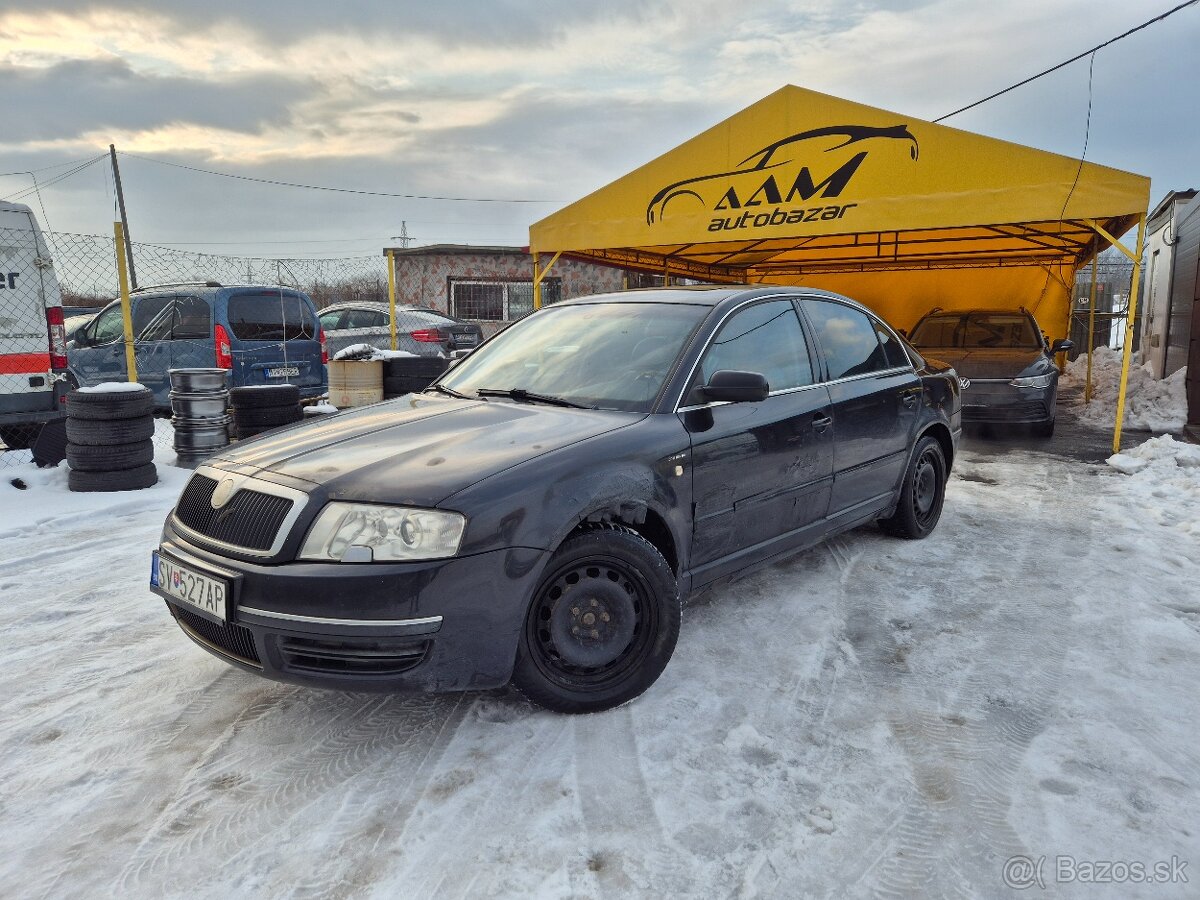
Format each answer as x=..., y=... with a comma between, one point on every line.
x=496, y=300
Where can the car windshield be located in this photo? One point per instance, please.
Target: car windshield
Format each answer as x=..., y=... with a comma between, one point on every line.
x=998, y=331
x=607, y=355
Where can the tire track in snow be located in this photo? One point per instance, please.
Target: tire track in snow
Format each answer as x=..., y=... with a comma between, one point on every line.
x=271, y=792
x=965, y=735
x=628, y=851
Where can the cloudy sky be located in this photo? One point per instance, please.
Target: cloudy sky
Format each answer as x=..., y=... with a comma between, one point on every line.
x=523, y=100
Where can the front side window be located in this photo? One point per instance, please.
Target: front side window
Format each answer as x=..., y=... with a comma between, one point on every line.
x=765, y=338
x=607, y=355
x=108, y=326
x=847, y=338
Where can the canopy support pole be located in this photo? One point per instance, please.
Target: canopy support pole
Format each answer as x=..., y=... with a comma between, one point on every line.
x=1087, y=385
x=1130, y=316
x=539, y=275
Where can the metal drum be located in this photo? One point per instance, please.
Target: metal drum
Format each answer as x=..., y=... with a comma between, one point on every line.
x=200, y=414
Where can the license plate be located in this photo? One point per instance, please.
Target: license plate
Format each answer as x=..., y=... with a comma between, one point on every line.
x=283, y=372
x=188, y=586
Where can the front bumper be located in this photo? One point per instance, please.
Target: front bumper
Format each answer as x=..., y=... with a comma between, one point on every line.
x=443, y=625
x=999, y=403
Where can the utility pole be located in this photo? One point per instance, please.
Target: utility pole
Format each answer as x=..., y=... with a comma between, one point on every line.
x=112, y=152
x=403, y=236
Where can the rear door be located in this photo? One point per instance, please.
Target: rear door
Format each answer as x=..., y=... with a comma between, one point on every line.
x=273, y=339
x=876, y=397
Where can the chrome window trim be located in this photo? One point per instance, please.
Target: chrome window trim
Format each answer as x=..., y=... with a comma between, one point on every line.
x=729, y=312
x=299, y=502
x=322, y=620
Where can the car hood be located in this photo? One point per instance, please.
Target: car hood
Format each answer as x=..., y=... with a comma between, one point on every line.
x=419, y=449
x=991, y=363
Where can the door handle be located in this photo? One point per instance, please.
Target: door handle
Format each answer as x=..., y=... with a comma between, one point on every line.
x=821, y=421
x=910, y=396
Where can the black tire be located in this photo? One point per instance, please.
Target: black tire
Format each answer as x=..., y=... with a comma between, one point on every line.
x=428, y=367
x=109, y=406
x=922, y=494
x=623, y=578
x=267, y=418
x=95, y=433
x=1044, y=429
x=114, y=458
x=125, y=480
x=19, y=437
x=267, y=396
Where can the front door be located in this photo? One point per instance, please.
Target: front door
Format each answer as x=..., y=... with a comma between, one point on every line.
x=761, y=471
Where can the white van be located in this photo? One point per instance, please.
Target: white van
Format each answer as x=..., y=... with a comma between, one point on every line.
x=33, y=342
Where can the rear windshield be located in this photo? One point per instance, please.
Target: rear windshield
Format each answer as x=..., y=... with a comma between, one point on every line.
x=271, y=316
x=998, y=331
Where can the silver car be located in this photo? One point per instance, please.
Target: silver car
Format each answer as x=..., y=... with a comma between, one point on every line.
x=419, y=330
x=1004, y=363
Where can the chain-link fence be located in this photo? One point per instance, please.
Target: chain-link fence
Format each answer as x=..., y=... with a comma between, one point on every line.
x=1114, y=272
x=266, y=336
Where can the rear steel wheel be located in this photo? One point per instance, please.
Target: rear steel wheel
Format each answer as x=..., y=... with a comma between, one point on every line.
x=922, y=494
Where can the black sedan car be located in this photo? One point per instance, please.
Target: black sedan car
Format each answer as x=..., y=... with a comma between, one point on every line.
x=1004, y=362
x=538, y=513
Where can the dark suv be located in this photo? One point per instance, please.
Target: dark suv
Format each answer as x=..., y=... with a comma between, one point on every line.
x=538, y=513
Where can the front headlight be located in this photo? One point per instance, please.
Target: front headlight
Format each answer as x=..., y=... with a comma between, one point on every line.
x=390, y=533
x=1035, y=381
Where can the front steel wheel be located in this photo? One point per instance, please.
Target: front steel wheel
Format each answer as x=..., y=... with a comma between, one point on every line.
x=922, y=494
x=602, y=624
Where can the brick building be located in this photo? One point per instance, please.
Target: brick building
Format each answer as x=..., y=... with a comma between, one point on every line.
x=494, y=285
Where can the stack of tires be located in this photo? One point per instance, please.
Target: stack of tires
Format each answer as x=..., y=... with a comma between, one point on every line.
x=411, y=375
x=261, y=408
x=110, y=444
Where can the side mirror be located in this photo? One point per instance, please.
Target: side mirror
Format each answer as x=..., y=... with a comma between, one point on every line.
x=79, y=336
x=736, y=387
x=1061, y=346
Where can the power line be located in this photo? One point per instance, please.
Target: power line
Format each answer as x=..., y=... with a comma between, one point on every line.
x=20, y=195
x=60, y=165
x=1013, y=87
x=337, y=190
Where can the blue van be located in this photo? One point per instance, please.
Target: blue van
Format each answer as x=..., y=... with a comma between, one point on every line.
x=261, y=334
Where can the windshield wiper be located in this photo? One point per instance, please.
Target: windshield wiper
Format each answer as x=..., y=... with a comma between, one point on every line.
x=449, y=392
x=522, y=395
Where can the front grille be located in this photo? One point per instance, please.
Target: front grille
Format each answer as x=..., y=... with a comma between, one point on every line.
x=1005, y=412
x=231, y=640
x=250, y=519
x=352, y=657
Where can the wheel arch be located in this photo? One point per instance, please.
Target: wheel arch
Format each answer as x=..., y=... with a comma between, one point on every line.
x=640, y=518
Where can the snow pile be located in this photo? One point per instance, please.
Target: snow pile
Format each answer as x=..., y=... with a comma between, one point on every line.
x=320, y=409
x=1165, y=482
x=369, y=353
x=1151, y=404
x=114, y=387
x=32, y=497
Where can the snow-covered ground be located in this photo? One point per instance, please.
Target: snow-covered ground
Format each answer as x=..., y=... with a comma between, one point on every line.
x=873, y=718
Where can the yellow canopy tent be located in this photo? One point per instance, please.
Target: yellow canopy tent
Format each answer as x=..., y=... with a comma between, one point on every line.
x=900, y=214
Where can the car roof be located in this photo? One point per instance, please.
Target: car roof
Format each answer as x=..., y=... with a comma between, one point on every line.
x=712, y=295
x=385, y=307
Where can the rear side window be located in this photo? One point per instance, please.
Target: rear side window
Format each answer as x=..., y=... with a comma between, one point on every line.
x=192, y=321
x=365, y=318
x=847, y=339
x=896, y=357
x=271, y=316
x=765, y=338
